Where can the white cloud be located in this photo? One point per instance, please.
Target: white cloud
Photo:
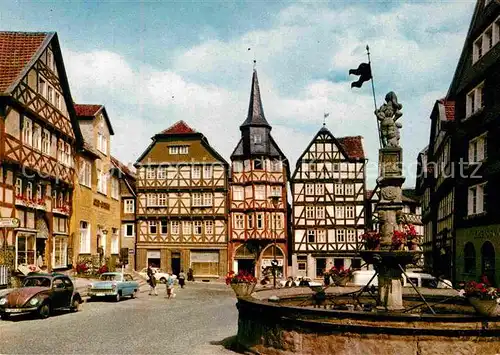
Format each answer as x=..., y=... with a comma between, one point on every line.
x=307, y=44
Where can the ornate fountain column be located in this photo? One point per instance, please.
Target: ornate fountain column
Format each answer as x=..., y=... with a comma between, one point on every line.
x=387, y=261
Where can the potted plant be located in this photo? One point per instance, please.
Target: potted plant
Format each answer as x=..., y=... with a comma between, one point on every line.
x=398, y=240
x=412, y=239
x=242, y=283
x=340, y=276
x=371, y=240
x=484, y=298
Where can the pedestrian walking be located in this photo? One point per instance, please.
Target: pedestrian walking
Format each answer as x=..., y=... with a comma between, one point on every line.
x=182, y=278
x=151, y=281
x=170, y=286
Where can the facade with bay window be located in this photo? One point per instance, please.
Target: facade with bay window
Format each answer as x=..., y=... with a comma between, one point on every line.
x=181, y=202
x=38, y=140
x=96, y=219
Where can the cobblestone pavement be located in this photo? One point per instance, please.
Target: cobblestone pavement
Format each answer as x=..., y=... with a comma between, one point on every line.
x=195, y=322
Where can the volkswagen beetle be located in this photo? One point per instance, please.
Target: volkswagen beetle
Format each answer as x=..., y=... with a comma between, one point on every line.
x=41, y=294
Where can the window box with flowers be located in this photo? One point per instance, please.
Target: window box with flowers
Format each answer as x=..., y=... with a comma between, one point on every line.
x=21, y=200
x=64, y=209
x=484, y=298
x=242, y=283
x=36, y=203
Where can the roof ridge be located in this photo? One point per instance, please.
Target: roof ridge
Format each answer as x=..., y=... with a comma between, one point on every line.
x=179, y=127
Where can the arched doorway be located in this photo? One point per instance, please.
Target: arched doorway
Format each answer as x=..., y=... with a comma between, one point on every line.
x=244, y=260
x=488, y=261
x=268, y=255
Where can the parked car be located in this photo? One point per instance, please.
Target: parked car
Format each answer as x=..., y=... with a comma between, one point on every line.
x=160, y=275
x=41, y=294
x=419, y=279
x=114, y=284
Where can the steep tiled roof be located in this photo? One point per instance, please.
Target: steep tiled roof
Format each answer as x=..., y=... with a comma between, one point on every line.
x=16, y=51
x=179, y=128
x=255, y=115
x=353, y=146
x=86, y=110
x=449, y=109
x=122, y=167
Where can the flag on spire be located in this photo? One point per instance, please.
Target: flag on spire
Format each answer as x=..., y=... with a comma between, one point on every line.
x=364, y=72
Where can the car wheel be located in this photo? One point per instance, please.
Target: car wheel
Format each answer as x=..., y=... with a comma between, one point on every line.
x=4, y=316
x=134, y=294
x=75, y=305
x=163, y=280
x=44, y=311
x=118, y=297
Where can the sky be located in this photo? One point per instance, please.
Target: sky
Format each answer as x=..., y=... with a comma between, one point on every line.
x=152, y=63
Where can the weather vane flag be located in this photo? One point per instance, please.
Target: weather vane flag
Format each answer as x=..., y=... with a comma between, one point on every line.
x=364, y=72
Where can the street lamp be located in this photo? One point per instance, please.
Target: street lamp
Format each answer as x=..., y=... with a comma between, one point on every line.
x=275, y=199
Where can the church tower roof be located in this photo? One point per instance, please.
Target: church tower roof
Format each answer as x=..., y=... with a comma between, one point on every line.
x=255, y=115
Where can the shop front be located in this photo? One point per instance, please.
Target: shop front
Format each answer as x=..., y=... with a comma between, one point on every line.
x=205, y=263
x=153, y=258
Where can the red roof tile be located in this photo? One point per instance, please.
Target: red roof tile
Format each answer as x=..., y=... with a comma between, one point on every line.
x=84, y=110
x=353, y=146
x=179, y=128
x=16, y=51
x=122, y=167
x=449, y=109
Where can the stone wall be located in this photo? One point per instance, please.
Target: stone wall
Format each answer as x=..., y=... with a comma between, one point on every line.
x=267, y=328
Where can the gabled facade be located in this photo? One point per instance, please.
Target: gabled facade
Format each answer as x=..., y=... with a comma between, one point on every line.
x=328, y=187
x=181, y=204
x=38, y=135
x=258, y=230
x=127, y=178
x=96, y=203
x=436, y=185
x=475, y=91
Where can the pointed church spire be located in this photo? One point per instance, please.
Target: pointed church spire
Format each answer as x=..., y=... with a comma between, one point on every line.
x=255, y=115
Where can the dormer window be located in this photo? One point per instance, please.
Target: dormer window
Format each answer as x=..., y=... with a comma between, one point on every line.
x=257, y=164
x=486, y=40
x=257, y=139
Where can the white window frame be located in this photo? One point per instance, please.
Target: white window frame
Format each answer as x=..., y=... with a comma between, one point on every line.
x=174, y=227
x=37, y=137
x=339, y=212
x=153, y=227
x=162, y=199
x=478, y=149
x=239, y=221
x=128, y=205
x=163, y=227
x=275, y=191
x=173, y=150
x=309, y=189
x=311, y=236
x=183, y=149
x=320, y=212
x=339, y=189
x=125, y=230
x=340, y=235
x=349, y=189
x=320, y=236
x=150, y=173
x=310, y=212
x=208, y=199
x=162, y=173
x=196, y=199
x=260, y=221
x=115, y=242
x=187, y=228
x=209, y=227
x=29, y=190
x=27, y=131
x=85, y=176
x=476, y=199
x=85, y=238
x=196, y=172
x=238, y=193
x=351, y=235
x=42, y=86
x=350, y=212
x=474, y=100
x=198, y=227
x=207, y=172
x=260, y=192
x=115, y=188
x=237, y=167
x=152, y=200
x=250, y=221
x=320, y=189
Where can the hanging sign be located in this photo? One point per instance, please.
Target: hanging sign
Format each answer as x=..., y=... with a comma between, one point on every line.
x=9, y=222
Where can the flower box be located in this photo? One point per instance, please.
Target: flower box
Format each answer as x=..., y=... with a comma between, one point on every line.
x=489, y=308
x=243, y=289
x=61, y=210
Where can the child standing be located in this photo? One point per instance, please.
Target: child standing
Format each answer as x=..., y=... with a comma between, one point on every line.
x=170, y=286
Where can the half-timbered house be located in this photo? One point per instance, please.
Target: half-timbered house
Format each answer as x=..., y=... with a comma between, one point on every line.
x=38, y=135
x=182, y=204
x=258, y=198
x=328, y=187
x=96, y=200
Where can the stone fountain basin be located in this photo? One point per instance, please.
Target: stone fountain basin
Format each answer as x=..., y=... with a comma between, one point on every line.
x=280, y=328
